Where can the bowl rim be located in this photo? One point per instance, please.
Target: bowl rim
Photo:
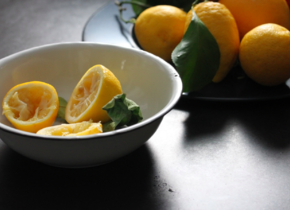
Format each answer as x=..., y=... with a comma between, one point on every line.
x=174, y=99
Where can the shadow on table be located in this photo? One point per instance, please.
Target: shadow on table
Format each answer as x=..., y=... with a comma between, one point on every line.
x=204, y=119
x=127, y=183
x=268, y=122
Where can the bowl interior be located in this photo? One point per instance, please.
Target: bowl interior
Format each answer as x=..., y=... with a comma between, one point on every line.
x=146, y=79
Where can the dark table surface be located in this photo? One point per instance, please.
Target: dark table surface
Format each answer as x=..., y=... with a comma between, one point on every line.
x=205, y=155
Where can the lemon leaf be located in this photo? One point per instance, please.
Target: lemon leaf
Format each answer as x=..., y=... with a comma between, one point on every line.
x=137, y=8
x=197, y=56
x=61, y=109
x=109, y=126
x=123, y=111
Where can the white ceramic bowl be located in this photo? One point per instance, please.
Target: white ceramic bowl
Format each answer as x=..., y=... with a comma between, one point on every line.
x=145, y=78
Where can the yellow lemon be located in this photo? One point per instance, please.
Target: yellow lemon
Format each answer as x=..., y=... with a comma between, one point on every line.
x=95, y=89
x=31, y=106
x=252, y=13
x=75, y=129
x=159, y=29
x=264, y=55
x=220, y=22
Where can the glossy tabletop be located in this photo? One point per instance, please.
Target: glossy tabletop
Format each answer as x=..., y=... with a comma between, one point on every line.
x=206, y=155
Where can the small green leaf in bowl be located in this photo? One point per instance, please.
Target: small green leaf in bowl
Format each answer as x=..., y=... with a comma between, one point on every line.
x=61, y=109
x=122, y=111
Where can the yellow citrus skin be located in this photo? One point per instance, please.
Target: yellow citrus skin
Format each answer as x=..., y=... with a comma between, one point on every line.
x=75, y=129
x=95, y=89
x=159, y=29
x=220, y=22
x=252, y=13
x=31, y=106
x=265, y=54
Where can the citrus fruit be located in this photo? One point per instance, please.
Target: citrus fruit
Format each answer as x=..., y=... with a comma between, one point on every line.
x=159, y=29
x=95, y=89
x=264, y=56
x=75, y=129
x=288, y=3
x=31, y=106
x=220, y=22
x=251, y=13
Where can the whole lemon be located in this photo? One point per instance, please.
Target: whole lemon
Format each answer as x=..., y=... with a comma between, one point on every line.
x=220, y=22
x=251, y=13
x=265, y=54
x=159, y=29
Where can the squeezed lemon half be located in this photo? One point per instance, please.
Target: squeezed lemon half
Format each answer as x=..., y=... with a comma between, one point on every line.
x=95, y=89
x=75, y=129
x=31, y=106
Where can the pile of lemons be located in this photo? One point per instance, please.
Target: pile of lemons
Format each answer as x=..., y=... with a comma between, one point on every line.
x=256, y=32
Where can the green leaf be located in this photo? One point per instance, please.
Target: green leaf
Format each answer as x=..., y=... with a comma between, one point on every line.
x=197, y=56
x=123, y=111
x=136, y=8
x=61, y=110
x=183, y=4
x=109, y=126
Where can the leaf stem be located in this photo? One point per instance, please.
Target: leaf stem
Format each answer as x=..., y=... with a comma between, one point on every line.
x=121, y=9
x=197, y=2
